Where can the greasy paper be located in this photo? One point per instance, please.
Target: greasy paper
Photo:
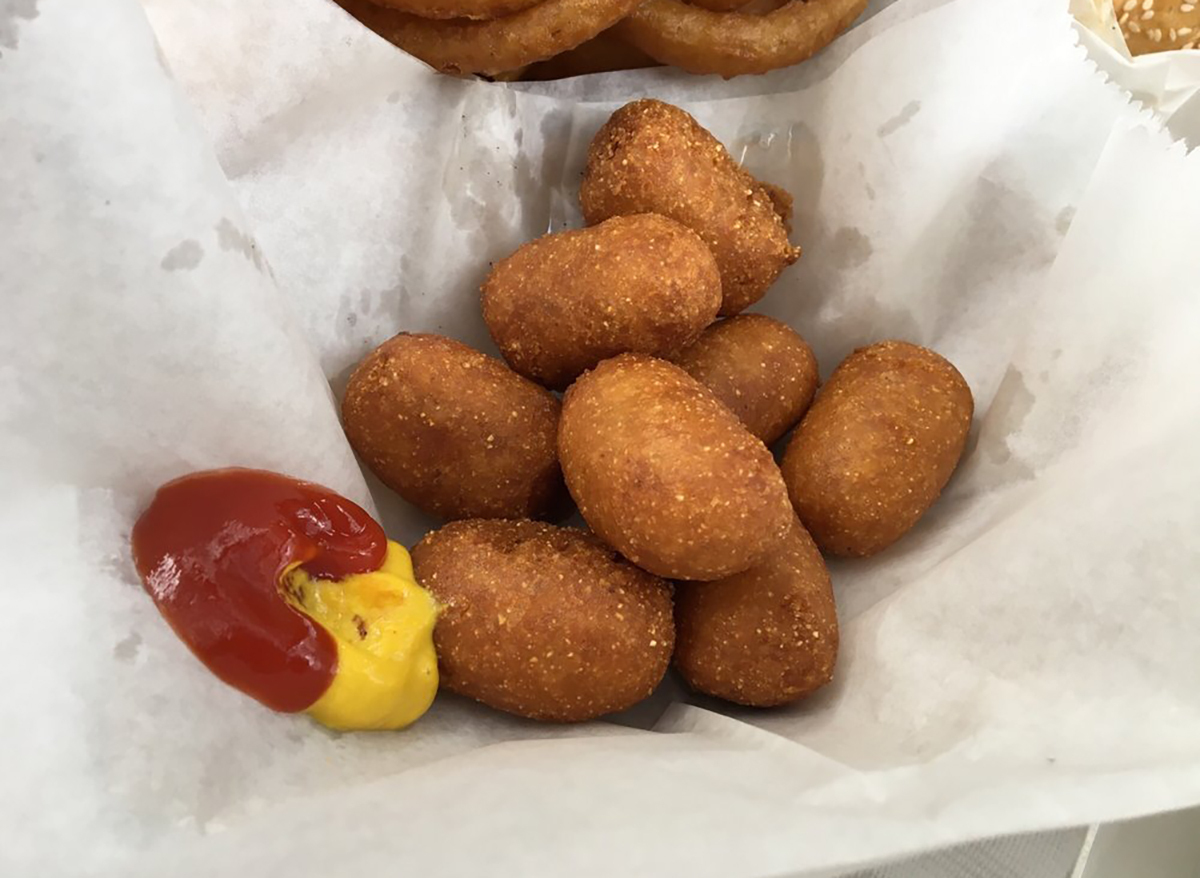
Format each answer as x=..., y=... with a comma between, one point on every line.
x=210, y=215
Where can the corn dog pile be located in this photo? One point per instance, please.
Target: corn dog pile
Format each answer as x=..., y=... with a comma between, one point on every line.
x=700, y=550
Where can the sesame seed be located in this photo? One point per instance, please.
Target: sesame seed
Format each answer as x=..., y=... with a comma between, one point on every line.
x=1146, y=16
x=1129, y=6
x=1147, y=4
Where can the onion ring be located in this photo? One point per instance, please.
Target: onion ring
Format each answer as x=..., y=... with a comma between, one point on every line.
x=762, y=7
x=460, y=46
x=734, y=43
x=473, y=9
x=719, y=5
x=604, y=53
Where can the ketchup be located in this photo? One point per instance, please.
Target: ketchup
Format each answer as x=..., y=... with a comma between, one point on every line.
x=212, y=550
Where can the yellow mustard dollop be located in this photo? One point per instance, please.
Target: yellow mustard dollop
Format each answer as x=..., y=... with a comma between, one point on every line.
x=383, y=623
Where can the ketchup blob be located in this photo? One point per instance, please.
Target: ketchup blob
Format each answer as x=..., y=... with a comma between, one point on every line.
x=212, y=550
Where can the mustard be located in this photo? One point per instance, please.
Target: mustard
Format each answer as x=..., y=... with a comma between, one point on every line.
x=382, y=622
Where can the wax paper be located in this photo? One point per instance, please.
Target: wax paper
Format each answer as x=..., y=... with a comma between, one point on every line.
x=212, y=211
x=1167, y=83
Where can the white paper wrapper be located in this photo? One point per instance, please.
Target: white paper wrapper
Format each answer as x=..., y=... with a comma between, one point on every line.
x=182, y=295
x=1168, y=83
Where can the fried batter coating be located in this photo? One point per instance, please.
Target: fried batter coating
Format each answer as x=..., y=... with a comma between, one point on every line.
x=720, y=5
x=460, y=46
x=667, y=475
x=473, y=9
x=651, y=157
x=453, y=431
x=763, y=637
x=737, y=43
x=566, y=301
x=761, y=369
x=544, y=622
x=603, y=53
x=783, y=203
x=877, y=447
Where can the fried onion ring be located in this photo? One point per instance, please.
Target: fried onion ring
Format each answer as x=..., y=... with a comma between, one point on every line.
x=733, y=43
x=460, y=46
x=719, y=5
x=473, y=9
x=604, y=53
x=762, y=7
